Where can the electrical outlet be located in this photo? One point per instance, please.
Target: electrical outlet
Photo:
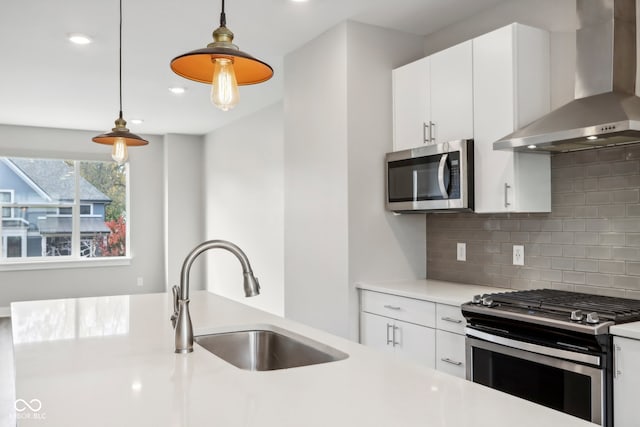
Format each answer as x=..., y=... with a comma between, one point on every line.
x=140, y=281
x=518, y=255
x=461, y=252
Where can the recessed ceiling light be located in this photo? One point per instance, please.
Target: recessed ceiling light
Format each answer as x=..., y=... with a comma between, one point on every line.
x=531, y=147
x=77, y=38
x=136, y=121
x=177, y=90
x=299, y=1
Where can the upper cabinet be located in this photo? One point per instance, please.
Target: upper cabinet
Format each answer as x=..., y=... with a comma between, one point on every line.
x=510, y=90
x=484, y=89
x=433, y=98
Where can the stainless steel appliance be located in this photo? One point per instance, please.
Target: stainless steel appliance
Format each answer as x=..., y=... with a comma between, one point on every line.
x=548, y=346
x=430, y=178
x=606, y=110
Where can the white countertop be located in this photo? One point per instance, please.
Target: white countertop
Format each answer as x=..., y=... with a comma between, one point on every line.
x=109, y=361
x=431, y=290
x=627, y=330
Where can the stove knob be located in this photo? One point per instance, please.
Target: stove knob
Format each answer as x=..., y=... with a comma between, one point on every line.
x=593, y=318
x=487, y=301
x=576, y=315
x=477, y=299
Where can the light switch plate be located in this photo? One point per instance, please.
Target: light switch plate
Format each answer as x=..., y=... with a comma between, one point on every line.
x=518, y=255
x=461, y=254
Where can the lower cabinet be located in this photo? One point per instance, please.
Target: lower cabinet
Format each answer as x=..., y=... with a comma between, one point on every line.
x=429, y=333
x=450, y=356
x=405, y=339
x=626, y=381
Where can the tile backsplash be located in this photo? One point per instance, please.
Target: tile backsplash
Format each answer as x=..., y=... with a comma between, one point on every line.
x=590, y=242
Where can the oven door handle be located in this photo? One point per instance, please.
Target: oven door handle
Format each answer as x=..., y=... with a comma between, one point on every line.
x=535, y=348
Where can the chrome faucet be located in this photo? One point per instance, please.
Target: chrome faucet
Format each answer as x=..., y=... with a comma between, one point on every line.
x=181, y=318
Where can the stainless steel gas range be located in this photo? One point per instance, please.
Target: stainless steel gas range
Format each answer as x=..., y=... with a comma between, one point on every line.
x=548, y=346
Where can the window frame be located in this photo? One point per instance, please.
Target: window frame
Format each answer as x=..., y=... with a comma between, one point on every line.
x=75, y=260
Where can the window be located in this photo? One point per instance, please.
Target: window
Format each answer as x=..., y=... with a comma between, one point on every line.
x=6, y=197
x=14, y=246
x=62, y=209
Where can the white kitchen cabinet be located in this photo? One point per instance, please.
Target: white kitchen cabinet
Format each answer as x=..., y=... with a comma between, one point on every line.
x=450, y=318
x=427, y=332
x=411, y=104
x=432, y=99
x=626, y=381
x=404, y=326
x=450, y=353
x=405, y=339
x=397, y=307
x=450, y=345
x=375, y=331
x=510, y=90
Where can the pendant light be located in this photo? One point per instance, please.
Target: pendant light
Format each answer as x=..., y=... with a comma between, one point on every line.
x=120, y=137
x=223, y=65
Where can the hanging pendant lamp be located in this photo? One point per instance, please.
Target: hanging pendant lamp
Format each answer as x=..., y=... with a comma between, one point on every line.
x=223, y=65
x=120, y=137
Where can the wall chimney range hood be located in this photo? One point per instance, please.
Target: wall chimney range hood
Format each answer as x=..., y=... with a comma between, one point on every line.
x=606, y=110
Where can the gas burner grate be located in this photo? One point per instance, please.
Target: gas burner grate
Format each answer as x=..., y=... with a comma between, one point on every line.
x=617, y=309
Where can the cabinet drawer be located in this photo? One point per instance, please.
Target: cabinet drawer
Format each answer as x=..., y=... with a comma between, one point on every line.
x=401, y=308
x=449, y=318
x=450, y=353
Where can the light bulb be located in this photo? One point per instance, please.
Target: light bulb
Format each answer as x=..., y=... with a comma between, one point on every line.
x=224, y=87
x=119, y=152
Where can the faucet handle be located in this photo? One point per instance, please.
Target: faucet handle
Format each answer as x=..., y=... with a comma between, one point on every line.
x=174, y=316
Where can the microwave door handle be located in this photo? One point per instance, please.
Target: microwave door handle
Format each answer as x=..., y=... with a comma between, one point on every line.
x=443, y=188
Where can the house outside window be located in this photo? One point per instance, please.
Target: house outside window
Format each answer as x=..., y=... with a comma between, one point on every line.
x=62, y=209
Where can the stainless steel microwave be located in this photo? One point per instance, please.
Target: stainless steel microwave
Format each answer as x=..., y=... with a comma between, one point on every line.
x=435, y=177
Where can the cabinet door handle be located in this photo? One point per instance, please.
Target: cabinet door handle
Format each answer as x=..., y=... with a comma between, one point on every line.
x=451, y=319
x=389, y=341
x=393, y=307
x=395, y=328
x=452, y=362
x=506, y=195
x=616, y=361
x=432, y=131
x=424, y=133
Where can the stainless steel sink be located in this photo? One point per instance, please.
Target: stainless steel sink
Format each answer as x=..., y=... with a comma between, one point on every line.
x=268, y=348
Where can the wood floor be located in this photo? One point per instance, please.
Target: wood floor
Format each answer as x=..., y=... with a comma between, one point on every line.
x=7, y=384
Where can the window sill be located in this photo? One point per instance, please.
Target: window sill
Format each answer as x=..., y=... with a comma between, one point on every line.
x=54, y=264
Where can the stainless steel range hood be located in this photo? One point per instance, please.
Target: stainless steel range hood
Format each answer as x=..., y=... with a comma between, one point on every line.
x=606, y=110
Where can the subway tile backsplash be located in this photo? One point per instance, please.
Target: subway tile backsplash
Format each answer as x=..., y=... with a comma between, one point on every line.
x=590, y=242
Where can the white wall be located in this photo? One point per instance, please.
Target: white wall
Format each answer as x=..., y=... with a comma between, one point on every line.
x=146, y=219
x=184, y=205
x=244, y=177
x=382, y=246
x=337, y=104
x=556, y=16
x=316, y=192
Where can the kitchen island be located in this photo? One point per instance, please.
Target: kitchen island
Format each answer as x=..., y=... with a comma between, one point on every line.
x=110, y=361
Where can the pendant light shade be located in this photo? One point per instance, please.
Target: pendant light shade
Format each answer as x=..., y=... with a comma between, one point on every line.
x=120, y=137
x=223, y=65
x=198, y=65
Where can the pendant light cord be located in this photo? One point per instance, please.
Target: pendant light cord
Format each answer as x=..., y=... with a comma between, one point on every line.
x=120, y=59
x=223, y=16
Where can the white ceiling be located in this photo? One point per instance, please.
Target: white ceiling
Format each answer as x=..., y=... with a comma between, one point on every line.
x=47, y=81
